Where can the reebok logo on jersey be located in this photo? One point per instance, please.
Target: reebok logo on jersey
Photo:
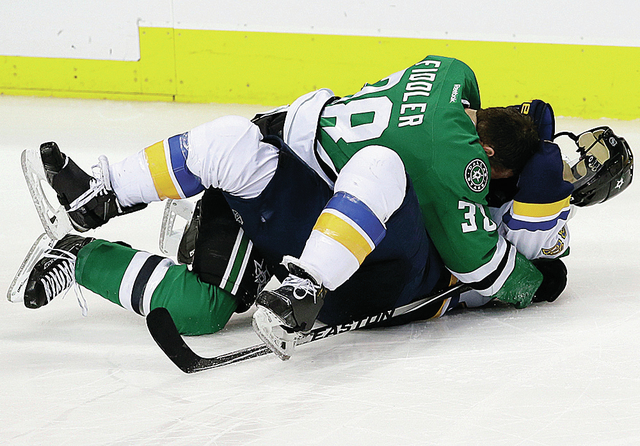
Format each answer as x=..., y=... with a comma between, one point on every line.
x=454, y=93
x=476, y=175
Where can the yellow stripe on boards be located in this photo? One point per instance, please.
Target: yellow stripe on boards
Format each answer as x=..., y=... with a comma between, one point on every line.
x=152, y=78
x=540, y=210
x=157, y=161
x=334, y=227
x=586, y=81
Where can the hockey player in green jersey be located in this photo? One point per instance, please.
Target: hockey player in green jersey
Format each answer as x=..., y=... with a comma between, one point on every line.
x=431, y=125
x=369, y=201
x=418, y=123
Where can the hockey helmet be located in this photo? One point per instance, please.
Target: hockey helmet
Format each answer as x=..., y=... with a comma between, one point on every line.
x=604, y=167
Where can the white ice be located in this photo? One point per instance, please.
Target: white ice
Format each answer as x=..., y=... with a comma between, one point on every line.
x=552, y=374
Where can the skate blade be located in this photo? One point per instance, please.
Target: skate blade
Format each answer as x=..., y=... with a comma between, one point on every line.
x=169, y=236
x=19, y=282
x=55, y=220
x=270, y=331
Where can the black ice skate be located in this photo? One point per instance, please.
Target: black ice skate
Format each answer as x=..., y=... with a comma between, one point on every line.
x=87, y=201
x=284, y=313
x=54, y=273
x=298, y=300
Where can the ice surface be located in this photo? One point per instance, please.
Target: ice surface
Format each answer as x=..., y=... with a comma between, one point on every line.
x=552, y=374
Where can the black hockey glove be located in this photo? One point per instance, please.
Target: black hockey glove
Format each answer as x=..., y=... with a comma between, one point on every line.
x=554, y=279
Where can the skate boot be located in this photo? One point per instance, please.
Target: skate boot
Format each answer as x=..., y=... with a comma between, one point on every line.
x=54, y=273
x=287, y=311
x=88, y=200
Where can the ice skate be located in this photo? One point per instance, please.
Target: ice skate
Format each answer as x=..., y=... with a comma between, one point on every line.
x=87, y=201
x=39, y=247
x=54, y=271
x=291, y=308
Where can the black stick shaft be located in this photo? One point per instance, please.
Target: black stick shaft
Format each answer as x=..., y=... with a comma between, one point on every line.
x=164, y=332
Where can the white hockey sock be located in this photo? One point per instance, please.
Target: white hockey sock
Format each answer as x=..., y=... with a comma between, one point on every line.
x=132, y=182
x=369, y=189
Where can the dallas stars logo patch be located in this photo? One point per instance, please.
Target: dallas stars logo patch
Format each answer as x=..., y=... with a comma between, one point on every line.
x=476, y=175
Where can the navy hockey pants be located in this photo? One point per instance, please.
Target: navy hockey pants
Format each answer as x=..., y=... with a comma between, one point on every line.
x=403, y=267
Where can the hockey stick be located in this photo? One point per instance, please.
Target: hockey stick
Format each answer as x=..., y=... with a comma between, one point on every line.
x=164, y=332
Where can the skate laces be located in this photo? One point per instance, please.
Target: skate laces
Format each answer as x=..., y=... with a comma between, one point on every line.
x=96, y=188
x=301, y=288
x=311, y=284
x=98, y=185
x=62, y=278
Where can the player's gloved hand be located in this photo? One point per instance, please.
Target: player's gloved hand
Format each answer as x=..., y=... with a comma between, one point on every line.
x=541, y=178
x=554, y=279
x=543, y=117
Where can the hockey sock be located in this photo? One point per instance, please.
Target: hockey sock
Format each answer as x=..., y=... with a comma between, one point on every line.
x=140, y=282
x=344, y=235
x=369, y=189
x=155, y=173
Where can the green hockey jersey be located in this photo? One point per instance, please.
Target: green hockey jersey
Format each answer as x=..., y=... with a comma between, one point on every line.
x=420, y=113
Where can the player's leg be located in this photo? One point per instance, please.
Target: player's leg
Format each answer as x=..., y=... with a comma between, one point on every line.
x=227, y=153
x=135, y=280
x=140, y=281
x=403, y=267
x=369, y=189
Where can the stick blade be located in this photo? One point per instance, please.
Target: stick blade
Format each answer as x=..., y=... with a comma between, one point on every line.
x=163, y=330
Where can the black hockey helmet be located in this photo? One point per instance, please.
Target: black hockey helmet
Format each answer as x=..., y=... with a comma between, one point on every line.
x=604, y=167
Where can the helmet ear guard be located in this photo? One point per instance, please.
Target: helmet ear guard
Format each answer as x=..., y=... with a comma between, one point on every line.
x=604, y=167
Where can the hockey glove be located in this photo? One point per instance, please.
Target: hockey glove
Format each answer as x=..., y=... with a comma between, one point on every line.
x=541, y=180
x=542, y=115
x=554, y=279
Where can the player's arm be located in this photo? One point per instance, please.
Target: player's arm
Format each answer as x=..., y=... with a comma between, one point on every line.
x=472, y=249
x=533, y=216
x=535, y=220
x=507, y=275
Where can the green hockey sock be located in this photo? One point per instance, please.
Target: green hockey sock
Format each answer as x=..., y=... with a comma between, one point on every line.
x=140, y=282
